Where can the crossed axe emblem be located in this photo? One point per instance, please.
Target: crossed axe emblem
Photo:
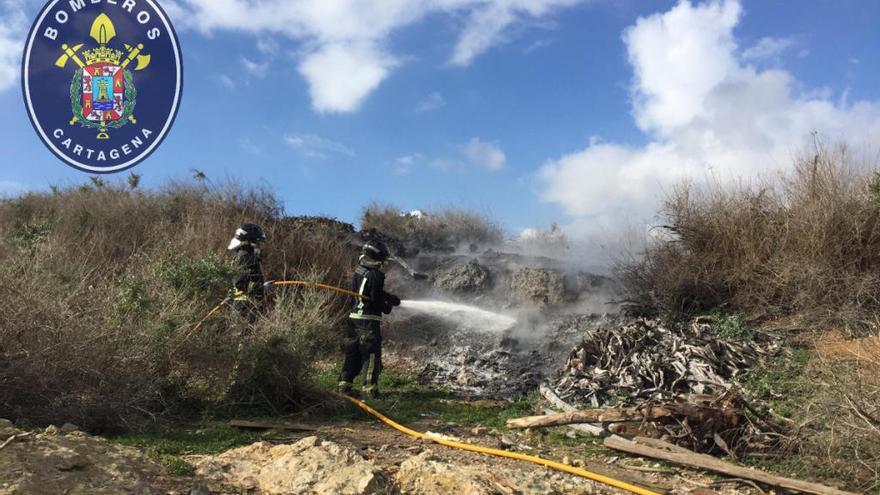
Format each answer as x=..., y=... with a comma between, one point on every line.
x=103, y=31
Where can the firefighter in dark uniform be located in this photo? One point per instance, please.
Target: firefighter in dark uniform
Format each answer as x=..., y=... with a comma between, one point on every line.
x=247, y=290
x=363, y=335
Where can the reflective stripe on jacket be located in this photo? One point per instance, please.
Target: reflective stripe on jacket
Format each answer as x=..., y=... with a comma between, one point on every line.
x=369, y=281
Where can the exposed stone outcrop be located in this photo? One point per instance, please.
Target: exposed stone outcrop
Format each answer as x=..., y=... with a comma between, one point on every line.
x=65, y=460
x=426, y=474
x=309, y=466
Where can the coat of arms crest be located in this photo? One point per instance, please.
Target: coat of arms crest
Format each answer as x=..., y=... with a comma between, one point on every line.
x=102, y=93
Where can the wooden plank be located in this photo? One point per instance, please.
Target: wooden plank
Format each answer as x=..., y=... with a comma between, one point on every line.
x=696, y=413
x=688, y=458
x=609, y=415
x=555, y=401
x=261, y=425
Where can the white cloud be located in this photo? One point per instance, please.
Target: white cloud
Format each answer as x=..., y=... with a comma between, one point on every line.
x=341, y=75
x=225, y=80
x=481, y=154
x=344, y=53
x=315, y=146
x=268, y=46
x=767, y=49
x=705, y=112
x=486, y=25
x=537, y=45
x=256, y=69
x=475, y=154
x=431, y=102
x=13, y=29
x=405, y=164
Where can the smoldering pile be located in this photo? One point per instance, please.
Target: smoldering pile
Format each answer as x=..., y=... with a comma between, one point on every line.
x=646, y=359
x=498, y=365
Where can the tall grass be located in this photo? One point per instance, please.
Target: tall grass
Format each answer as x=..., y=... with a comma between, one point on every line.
x=803, y=250
x=807, y=245
x=101, y=285
x=445, y=230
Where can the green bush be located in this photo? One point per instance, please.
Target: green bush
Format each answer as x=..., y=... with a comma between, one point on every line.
x=102, y=287
x=207, y=276
x=734, y=327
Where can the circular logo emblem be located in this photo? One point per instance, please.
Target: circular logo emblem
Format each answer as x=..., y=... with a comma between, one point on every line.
x=102, y=81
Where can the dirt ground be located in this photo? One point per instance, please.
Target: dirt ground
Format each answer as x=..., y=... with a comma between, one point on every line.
x=58, y=462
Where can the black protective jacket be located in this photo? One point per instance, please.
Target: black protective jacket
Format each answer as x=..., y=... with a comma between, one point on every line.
x=249, y=280
x=369, y=281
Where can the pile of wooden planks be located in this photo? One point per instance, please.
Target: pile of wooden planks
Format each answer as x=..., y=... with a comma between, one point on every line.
x=645, y=359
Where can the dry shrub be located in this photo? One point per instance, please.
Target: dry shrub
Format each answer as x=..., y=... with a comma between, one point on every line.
x=808, y=245
x=101, y=285
x=804, y=249
x=836, y=405
x=446, y=230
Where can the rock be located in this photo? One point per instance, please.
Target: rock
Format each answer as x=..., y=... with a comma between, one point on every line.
x=200, y=489
x=480, y=430
x=427, y=474
x=69, y=428
x=539, y=286
x=78, y=463
x=66, y=459
x=7, y=429
x=308, y=466
x=470, y=277
x=507, y=442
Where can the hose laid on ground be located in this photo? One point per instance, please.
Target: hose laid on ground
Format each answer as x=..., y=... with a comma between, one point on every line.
x=449, y=443
x=500, y=453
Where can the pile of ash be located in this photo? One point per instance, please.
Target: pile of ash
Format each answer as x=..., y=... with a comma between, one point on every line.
x=499, y=365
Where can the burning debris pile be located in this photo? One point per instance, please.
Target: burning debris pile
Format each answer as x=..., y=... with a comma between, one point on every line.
x=645, y=359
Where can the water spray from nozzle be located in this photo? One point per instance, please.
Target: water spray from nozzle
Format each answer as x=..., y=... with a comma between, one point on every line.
x=470, y=317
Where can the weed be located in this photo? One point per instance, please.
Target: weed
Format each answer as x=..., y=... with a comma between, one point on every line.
x=168, y=444
x=734, y=327
x=780, y=382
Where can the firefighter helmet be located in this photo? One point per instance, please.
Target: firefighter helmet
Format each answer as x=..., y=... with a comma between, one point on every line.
x=246, y=233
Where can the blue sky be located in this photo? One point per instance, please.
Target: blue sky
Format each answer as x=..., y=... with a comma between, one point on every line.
x=534, y=111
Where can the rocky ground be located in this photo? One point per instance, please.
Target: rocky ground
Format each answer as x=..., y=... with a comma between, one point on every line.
x=355, y=458
x=67, y=461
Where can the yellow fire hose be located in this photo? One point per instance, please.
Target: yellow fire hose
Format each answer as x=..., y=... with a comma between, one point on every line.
x=500, y=453
x=310, y=283
x=442, y=441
